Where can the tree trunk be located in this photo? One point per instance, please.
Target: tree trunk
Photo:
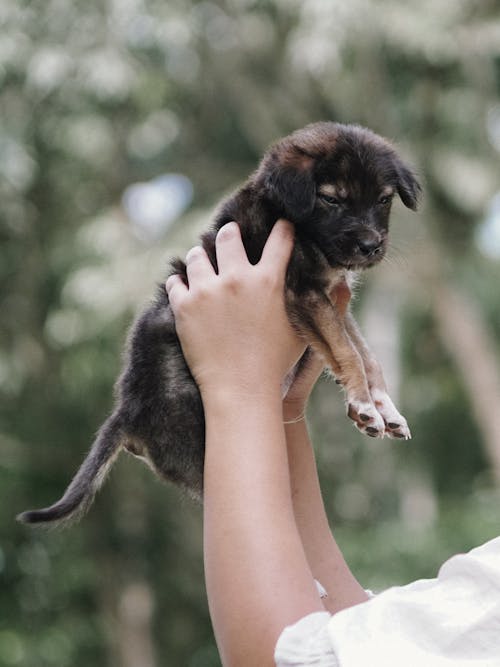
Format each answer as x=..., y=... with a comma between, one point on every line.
x=468, y=340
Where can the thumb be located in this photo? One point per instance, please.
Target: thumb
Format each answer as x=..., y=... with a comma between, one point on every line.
x=278, y=246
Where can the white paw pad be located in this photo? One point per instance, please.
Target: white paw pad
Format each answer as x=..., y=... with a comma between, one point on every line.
x=396, y=425
x=366, y=418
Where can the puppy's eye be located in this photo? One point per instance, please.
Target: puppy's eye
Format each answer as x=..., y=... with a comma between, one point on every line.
x=385, y=200
x=328, y=199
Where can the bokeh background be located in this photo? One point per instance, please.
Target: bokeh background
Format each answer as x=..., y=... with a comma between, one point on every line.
x=122, y=123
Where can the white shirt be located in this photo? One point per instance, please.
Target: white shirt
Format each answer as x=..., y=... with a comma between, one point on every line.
x=450, y=621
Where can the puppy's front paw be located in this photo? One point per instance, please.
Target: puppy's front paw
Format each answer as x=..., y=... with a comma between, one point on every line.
x=396, y=425
x=366, y=418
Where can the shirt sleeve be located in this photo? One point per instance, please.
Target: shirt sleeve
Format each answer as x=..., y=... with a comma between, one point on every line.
x=306, y=643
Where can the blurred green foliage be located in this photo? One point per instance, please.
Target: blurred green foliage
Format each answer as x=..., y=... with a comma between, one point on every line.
x=97, y=96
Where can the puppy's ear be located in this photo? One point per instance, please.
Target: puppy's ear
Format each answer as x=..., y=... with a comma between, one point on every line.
x=288, y=181
x=407, y=186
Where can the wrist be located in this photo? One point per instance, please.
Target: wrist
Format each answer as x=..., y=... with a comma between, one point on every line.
x=294, y=408
x=231, y=397
x=243, y=413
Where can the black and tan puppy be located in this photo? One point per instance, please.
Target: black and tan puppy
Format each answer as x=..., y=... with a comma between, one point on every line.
x=335, y=183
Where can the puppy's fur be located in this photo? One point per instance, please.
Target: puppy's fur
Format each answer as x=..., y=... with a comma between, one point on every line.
x=335, y=183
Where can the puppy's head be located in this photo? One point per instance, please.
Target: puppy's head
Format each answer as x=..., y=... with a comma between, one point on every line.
x=336, y=184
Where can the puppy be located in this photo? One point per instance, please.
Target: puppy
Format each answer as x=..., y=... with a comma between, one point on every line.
x=335, y=183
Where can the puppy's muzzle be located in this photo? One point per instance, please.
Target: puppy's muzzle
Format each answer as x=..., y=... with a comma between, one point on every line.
x=370, y=246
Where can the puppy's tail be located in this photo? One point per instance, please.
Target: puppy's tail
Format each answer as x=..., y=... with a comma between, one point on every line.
x=87, y=481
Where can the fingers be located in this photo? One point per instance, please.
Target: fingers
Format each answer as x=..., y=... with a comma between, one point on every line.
x=176, y=289
x=198, y=266
x=198, y=270
x=229, y=248
x=278, y=247
x=232, y=257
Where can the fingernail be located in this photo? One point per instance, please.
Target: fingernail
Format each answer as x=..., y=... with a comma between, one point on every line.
x=228, y=230
x=194, y=252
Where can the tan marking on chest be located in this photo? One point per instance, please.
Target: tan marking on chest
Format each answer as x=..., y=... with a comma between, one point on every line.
x=340, y=292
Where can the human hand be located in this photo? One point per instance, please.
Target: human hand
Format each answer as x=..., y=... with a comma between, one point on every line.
x=233, y=326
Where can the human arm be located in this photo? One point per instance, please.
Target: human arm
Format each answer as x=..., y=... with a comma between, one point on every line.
x=257, y=575
x=325, y=559
x=239, y=344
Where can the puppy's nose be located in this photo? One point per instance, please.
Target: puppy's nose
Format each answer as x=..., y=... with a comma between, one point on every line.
x=369, y=246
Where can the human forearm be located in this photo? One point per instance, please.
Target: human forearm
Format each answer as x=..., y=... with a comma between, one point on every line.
x=323, y=554
x=258, y=578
